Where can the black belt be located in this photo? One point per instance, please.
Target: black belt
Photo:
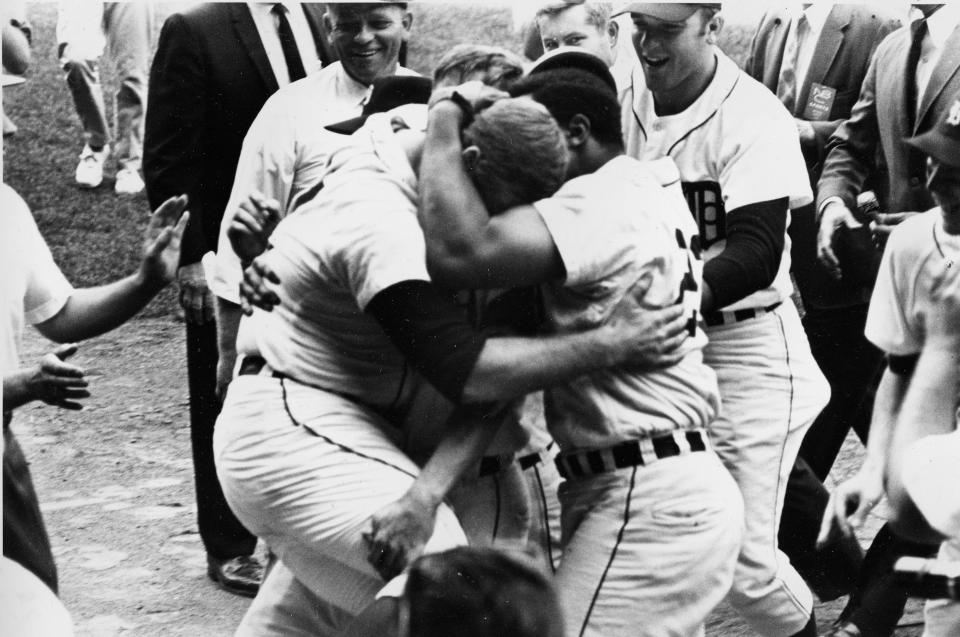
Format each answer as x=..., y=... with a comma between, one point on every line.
x=631, y=453
x=490, y=465
x=713, y=319
x=253, y=365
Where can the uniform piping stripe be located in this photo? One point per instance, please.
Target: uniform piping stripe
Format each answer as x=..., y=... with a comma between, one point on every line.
x=340, y=446
x=496, y=518
x=546, y=517
x=613, y=553
x=704, y=122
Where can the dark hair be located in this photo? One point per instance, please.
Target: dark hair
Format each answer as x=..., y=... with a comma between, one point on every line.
x=480, y=592
x=568, y=92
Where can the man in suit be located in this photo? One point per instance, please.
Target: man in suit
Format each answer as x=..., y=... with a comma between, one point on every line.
x=911, y=78
x=814, y=58
x=216, y=64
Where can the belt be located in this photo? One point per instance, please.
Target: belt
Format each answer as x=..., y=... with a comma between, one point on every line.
x=490, y=465
x=713, y=319
x=254, y=365
x=631, y=453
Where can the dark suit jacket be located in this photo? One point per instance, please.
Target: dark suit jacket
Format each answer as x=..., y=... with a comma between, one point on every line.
x=841, y=56
x=208, y=81
x=871, y=140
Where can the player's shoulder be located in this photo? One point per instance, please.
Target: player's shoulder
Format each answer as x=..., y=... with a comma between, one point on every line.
x=753, y=103
x=915, y=235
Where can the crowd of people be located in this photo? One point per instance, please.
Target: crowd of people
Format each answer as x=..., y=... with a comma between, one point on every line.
x=707, y=275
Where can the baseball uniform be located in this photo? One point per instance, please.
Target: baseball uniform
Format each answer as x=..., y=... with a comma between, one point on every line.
x=736, y=145
x=650, y=546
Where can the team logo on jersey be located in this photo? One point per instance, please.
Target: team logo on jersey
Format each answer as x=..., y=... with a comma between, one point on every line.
x=706, y=204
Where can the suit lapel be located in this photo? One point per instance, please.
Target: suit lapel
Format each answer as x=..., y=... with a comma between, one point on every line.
x=944, y=70
x=314, y=15
x=775, y=46
x=247, y=32
x=824, y=53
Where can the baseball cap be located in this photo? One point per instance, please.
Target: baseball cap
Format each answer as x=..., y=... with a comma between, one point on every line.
x=942, y=142
x=387, y=93
x=669, y=11
x=567, y=57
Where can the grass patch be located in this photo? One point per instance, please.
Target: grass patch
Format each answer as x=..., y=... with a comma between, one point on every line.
x=95, y=236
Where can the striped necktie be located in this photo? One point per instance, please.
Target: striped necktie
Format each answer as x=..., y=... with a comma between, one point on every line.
x=787, y=86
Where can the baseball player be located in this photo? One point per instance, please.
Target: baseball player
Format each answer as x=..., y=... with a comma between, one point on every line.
x=305, y=444
x=651, y=520
x=739, y=158
x=915, y=275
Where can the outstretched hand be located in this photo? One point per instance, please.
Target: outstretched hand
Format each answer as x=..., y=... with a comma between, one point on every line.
x=652, y=338
x=161, y=241
x=398, y=534
x=255, y=289
x=56, y=382
x=253, y=223
x=835, y=216
x=850, y=503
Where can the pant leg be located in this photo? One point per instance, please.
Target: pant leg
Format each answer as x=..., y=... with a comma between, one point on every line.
x=25, y=538
x=771, y=390
x=648, y=551
x=942, y=616
x=494, y=510
x=128, y=27
x=543, y=483
x=222, y=533
x=83, y=79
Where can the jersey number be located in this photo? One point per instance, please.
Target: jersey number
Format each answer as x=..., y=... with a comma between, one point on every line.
x=706, y=204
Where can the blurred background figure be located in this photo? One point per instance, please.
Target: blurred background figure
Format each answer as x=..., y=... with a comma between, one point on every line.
x=16, y=51
x=478, y=592
x=85, y=28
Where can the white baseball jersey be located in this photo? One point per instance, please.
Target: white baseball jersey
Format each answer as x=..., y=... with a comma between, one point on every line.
x=622, y=224
x=918, y=250
x=285, y=152
x=735, y=145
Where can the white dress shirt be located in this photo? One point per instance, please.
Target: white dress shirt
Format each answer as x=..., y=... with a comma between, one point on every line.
x=816, y=15
x=267, y=24
x=939, y=27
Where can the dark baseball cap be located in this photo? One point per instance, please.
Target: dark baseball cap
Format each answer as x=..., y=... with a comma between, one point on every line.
x=571, y=57
x=942, y=142
x=387, y=93
x=669, y=11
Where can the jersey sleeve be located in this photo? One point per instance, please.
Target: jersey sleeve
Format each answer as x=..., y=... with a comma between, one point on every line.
x=762, y=161
x=388, y=247
x=889, y=325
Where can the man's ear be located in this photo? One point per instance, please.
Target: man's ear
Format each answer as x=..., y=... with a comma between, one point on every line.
x=471, y=157
x=714, y=27
x=613, y=32
x=407, y=22
x=578, y=130
x=328, y=27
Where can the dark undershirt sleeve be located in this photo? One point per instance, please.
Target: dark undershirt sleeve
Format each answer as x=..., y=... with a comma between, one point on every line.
x=432, y=333
x=751, y=257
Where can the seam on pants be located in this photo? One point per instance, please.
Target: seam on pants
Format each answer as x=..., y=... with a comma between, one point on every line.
x=496, y=517
x=776, y=493
x=546, y=518
x=613, y=553
x=342, y=447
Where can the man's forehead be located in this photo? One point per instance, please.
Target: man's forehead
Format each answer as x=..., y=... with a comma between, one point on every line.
x=347, y=10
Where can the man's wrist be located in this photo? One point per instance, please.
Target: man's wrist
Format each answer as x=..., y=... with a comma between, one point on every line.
x=453, y=104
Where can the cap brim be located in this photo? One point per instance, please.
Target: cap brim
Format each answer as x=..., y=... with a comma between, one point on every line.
x=938, y=146
x=669, y=11
x=347, y=126
x=569, y=57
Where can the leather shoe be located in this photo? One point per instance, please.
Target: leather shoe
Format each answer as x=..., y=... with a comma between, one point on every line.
x=239, y=575
x=844, y=629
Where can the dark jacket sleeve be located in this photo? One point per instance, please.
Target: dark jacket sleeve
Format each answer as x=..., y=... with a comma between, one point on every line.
x=852, y=149
x=172, y=158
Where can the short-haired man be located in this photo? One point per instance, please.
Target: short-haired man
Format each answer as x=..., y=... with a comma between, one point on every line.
x=910, y=316
x=633, y=446
x=306, y=443
x=742, y=171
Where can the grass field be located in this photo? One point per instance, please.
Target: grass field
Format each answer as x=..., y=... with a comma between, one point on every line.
x=95, y=235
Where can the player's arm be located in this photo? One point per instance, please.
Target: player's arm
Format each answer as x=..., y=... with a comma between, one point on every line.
x=751, y=257
x=466, y=247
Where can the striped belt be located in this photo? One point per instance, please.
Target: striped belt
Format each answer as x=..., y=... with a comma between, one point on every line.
x=631, y=453
x=490, y=465
x=713, y=319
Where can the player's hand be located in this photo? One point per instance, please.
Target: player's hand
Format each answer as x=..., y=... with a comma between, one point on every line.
x=56, y=382
x=255, y=288
x=648, y=338
x=398, y=534
x=805, y=130
x=161, y=242
x=249, y=231
x=196, y=299
x=477, y=94
x=850, y=503
x=835, y=215
x=883, y=224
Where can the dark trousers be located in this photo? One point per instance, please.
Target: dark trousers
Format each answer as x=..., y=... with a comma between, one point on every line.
x=222, y=533
x=25, y=538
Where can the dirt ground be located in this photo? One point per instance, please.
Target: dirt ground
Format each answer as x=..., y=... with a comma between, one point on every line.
x=116, y=486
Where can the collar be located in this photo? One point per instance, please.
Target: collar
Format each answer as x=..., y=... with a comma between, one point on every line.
x=348, y=87
x=942, y=23
x=817, y=14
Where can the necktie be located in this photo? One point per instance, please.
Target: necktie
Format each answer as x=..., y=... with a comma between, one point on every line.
x=289, y=44
x=918, y=30
x=787, y=86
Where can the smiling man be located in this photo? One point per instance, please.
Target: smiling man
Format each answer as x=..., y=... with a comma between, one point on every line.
x=742, y=170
